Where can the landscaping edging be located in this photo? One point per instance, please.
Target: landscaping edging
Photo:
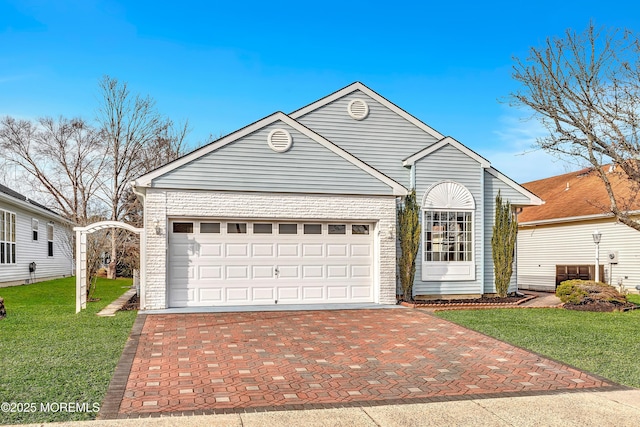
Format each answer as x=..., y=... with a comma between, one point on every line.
x=455, y=305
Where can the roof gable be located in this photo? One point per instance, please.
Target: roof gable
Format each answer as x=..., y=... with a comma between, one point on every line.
x=409, y=161
x=273, y=121
x=372, y=94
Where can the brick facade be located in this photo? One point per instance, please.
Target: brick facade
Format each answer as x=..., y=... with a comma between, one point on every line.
x=163, y=204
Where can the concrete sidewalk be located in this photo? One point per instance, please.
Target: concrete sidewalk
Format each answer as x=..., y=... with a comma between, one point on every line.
x=619, y=408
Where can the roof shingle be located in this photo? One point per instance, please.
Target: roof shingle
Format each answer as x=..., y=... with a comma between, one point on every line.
x=578, y=194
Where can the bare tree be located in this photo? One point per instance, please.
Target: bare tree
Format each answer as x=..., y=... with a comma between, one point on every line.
x=64, y=158
x=585, y=89
x=137, y=139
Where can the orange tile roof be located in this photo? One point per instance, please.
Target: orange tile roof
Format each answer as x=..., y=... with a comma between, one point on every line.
x=578, y=194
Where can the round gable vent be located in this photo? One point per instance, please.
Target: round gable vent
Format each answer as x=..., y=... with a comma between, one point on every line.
x=358, y=109
x=279, y=140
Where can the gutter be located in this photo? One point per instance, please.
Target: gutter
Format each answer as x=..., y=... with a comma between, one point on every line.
x=33, y=208
x=571, y=219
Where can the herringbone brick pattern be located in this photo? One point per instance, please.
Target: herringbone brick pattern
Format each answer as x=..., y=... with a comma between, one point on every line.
x=204, y=362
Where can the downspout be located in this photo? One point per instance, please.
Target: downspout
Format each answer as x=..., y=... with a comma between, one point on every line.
x=482, y=230
x=143, y=248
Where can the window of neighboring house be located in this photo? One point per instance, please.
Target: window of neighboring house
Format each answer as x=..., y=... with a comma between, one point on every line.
x=50, y=239
x=447, y=233
x=34, y=228
x=7, y=237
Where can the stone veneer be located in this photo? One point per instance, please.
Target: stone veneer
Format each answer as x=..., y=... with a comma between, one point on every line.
x=163, y=204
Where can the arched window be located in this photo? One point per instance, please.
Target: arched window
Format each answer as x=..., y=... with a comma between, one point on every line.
x=448, y=240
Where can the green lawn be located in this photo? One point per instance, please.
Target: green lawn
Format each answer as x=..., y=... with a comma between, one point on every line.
x=50, y=355
x=607, y=344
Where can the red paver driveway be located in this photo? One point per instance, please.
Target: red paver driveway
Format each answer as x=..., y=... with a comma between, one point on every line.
x=241, y=361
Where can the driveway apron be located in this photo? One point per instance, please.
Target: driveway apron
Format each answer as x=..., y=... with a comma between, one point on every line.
x=236, y=362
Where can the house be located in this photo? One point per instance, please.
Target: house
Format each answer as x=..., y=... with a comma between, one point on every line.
x=34, y=241
x=555, y=240
x=301, y=208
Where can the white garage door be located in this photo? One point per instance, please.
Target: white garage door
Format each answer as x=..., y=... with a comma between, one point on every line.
x=240, y=262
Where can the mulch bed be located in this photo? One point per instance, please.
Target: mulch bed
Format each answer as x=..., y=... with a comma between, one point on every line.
x=132, y=304
x=484, y=301
x=601, y=306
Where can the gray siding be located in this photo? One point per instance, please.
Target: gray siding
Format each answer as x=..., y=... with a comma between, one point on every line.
x=249, y=164
x=491, y=187
x=383, y=139
x=450, y=164
x=28, y=250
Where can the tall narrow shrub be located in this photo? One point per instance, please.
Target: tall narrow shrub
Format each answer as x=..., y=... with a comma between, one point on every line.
x=409, y=237
x=503, y=244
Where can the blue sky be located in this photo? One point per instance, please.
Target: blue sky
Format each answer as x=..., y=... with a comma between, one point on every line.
x=224, y=64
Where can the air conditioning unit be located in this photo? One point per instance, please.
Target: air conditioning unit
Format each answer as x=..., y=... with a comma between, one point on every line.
x=613, y=257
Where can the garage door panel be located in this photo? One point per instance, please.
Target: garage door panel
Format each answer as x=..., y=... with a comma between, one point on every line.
x=263, y=294
x=210, y=250
x=360, y=250
x=288, y=250
x=361, y=292
x=313, y=293
x=262, y=250
x=211, y=295
x=360, y=271
x=181, y=273
x=291, y=293
x=312, y=249
x=312, y=272
x=237, y=249
x=182, y=296
x=210, y=272
x=181, y=250
x=339, y=250
x=337, y=292
x=262, y=272
x=237, y=272
x=237, y=294
x=289, y=271
x=336, y=271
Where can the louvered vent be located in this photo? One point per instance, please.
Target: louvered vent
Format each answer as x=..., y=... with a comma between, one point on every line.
x=358, y=109
x=279, y=140
x=448, y=195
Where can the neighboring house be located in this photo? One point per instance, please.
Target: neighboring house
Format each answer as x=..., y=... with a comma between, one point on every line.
x=301, y=208
x=34, y=241
x=555, y=240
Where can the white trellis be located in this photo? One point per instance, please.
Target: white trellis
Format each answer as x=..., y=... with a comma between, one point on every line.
x=81, y=255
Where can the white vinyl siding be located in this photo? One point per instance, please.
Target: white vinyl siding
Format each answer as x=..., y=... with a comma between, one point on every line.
x=249, y=164
x=382, y=140
x=542, y=247
x=29, y=250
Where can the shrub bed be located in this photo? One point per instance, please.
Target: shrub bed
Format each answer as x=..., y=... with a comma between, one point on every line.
x=590, y=295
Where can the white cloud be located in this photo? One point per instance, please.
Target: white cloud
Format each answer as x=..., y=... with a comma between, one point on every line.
x=518, y=157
